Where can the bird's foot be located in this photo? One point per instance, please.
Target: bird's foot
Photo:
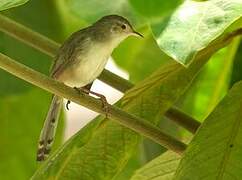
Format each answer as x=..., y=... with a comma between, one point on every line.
x=68, y=101
x=104, y=102
x=100, y=96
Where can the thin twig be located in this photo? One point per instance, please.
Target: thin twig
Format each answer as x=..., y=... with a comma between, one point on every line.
x=139, y=125
x=50, y=47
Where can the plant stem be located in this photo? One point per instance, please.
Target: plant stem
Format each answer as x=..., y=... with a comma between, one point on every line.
x=137, y=124
x=50, y=48
x=115, y=81
x=183, y=119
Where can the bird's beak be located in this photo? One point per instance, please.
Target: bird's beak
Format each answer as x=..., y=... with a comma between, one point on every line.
x=135, y=33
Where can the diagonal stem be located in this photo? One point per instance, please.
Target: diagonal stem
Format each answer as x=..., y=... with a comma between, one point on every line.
x=135, y=123
x=50, y=47
x=183, y=119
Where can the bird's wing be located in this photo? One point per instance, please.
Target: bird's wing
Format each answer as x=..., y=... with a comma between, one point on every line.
x=68, y=52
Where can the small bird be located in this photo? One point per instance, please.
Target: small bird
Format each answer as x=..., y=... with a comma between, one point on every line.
x=79, y=61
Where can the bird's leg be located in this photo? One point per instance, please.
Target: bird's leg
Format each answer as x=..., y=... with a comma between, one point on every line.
x=100, y=96
x=88, y=87
x=103, y=100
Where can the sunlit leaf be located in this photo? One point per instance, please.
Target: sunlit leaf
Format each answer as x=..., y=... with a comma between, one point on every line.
x=195, y=25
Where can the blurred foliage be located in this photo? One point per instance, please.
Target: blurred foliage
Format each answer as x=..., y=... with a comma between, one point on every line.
x=23, y=107
x=103, y=149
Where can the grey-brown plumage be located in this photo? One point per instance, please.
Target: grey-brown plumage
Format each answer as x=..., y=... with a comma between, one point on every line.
x=79, y=61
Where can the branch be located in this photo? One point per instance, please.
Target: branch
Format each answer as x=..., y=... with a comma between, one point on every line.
x=137, y=124
x=50, y=47
x=183, y=119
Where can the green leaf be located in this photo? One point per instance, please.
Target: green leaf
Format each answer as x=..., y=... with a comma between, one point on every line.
x=134, y=163
x=216, y=150
x=211, y=84
x=161, y=168
x=195, y=25
x=6, y=4
x=98, y=155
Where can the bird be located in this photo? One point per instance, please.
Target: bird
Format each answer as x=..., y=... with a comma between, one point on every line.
x=79, y=61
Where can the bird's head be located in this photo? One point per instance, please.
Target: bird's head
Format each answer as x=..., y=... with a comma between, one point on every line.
x=114, y=27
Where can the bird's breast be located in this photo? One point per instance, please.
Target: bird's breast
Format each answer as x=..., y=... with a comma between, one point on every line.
x=89, y=65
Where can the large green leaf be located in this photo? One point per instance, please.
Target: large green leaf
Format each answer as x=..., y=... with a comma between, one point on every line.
x=164, y=166
x=195, y=25
x=23, y=107
x=6, y=4
x=216, y=150
x=161, y=168
x=104, y=153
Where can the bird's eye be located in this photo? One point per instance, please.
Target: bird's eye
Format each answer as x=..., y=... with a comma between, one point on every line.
x=123, y=26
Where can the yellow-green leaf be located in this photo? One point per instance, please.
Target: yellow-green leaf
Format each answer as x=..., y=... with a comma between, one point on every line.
x=216, y=150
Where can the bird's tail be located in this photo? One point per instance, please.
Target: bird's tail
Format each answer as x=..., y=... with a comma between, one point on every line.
x=49, y=128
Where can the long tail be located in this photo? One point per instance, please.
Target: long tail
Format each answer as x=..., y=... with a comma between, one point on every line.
x=48, y=131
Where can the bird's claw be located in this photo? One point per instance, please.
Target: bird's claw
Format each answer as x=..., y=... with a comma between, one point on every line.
x=67, y=104
x=104, y=104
